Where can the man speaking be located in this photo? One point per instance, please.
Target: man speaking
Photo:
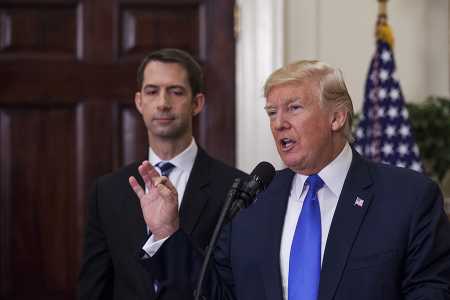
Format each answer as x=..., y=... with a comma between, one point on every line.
x=331, y=225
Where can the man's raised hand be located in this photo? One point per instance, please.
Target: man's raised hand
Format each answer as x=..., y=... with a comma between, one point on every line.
x=160, y=204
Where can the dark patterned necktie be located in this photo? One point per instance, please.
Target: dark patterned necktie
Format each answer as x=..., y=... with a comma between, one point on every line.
x=165, y=167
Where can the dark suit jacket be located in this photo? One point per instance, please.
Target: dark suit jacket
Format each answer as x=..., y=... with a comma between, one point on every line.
x=116, y=230
x=395, y=246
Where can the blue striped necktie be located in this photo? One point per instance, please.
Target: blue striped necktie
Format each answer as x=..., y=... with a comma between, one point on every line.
x=304, y=259
x=165, y=167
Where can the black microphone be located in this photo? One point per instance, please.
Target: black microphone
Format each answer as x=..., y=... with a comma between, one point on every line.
x=246, y=192
x=241, y=195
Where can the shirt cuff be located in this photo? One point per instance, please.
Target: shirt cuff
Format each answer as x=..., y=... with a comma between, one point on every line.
x=151, y=246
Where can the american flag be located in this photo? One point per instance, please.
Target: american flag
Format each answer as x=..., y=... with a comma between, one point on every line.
x=384, y=132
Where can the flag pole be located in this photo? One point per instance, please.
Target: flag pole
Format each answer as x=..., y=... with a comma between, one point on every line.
x=382, y=8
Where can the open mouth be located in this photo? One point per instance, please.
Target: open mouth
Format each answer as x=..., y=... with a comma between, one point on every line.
x=287, y=144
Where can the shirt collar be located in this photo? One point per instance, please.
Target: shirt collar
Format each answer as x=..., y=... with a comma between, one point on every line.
x=333, y=175
x=184, y=160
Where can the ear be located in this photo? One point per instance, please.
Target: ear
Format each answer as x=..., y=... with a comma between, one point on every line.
x=138, y=101
x=197, y=103
x=339, y=117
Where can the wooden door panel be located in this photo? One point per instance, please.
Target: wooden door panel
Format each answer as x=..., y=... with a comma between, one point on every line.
x=33, y=30
x=152, y=26
x=38, y=196
x=133, y=136
x=67, y=84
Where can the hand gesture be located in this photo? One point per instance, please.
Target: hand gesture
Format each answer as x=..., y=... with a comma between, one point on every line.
x=160, y=204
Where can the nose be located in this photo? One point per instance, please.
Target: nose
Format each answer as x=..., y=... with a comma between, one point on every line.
x=279, y=122
x=164, y=101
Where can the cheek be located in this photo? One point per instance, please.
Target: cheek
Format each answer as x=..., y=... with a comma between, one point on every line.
x=274, y=133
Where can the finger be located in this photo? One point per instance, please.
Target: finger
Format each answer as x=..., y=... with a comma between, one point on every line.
x=147, y=180
x=138, y=190
x=167, y=193
x=148, y=170
x=160, y=180
x=163, y=180
x=167, y=183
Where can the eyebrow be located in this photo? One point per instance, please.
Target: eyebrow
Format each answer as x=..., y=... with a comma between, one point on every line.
x=174, y=86
x=285, y=102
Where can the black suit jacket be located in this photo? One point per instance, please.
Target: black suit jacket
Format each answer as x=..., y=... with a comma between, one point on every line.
x=394, y=245
x=116, y=231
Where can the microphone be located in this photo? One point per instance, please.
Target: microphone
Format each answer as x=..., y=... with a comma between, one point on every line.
x=246, y=192
x=241, y=195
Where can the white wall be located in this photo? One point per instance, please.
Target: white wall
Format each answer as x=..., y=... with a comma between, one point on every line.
x=342, y=34
x=274, y=32
x=260, y=50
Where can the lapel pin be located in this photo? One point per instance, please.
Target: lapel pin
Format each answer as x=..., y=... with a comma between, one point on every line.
x=359, y=202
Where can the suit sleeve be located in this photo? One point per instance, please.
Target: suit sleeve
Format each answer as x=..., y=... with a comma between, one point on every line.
x=96, y=275
x=177, y=266
x=427, y=265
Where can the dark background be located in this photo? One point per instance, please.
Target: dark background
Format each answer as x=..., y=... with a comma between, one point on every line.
x=67, y=84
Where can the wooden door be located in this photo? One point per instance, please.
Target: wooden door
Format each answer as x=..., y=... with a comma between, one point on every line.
x=67, y=82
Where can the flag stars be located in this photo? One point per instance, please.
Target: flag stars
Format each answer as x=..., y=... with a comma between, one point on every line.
x=405, y=114
x=382, y=93
x=373, y=76
x=386, y=56
x=360, y=133
x=416, y=166
x=394, y=94
x=405, y=131
x=372, y=96
x=402, y=149
x=384, y=75
x=386, y=134
x=390, y=131
x=393, y=112
x=388, y=149
x=400, y=164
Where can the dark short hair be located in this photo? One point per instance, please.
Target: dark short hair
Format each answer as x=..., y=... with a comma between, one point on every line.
x=168, y=55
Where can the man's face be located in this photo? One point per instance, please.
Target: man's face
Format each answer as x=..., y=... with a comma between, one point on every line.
x=301, y=127
x=166, y=102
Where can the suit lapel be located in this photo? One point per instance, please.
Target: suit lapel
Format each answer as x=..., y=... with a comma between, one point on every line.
x=345, y=226
x=276, y=203
x=196, y=193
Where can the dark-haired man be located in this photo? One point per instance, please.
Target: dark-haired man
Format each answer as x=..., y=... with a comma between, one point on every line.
x=170, y=95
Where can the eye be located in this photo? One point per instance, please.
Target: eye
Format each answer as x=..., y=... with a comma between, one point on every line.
x=177, y=91
x=150, y=91
x=271, y=112
x=294, y=107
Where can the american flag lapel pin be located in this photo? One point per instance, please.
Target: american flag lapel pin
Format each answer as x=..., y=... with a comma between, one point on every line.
x=359, y=202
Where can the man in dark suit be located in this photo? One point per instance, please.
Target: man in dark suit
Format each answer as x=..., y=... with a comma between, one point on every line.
x=170, y=95
x=332, y=225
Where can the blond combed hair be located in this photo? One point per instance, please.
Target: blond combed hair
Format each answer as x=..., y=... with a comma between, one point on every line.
x=332, y=87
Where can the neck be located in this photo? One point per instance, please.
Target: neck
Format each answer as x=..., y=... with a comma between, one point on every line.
x=335, y=148
x=167, y=149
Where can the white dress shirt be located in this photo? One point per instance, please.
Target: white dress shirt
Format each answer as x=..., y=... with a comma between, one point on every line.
x=179, y=177
x=333, y=175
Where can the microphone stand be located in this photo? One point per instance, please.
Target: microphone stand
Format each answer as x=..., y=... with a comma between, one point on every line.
x=231, y=196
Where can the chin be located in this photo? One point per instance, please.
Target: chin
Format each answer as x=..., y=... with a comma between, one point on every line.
x=294, y=164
